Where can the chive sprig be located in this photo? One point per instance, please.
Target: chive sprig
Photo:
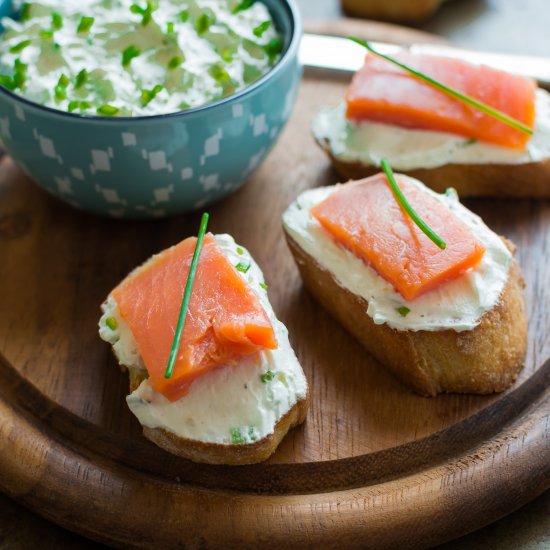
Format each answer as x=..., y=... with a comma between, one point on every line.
x=469, y=100
x=402, y=200
x=186, y=297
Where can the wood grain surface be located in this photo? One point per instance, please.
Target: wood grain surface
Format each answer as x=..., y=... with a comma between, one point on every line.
x=374, y=465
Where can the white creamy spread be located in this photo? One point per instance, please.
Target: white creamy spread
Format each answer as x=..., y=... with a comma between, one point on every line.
x=135, y=57
x=405, y=149
x=231, y=404
x=457, y=304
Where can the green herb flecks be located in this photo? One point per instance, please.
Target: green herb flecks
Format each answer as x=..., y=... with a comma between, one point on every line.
x=479, y=105
x=170, y=28
x=175, y=62
x=111, y=322
x=82, y=105
x=60, y=90
x=408, y=208
x=46, y=34
x=20, y=46
x=7, y=81
x=81, y=79
x=227, y=55
x=203, y=23
x=267, y=377
x=241, y=266
x=252, y=433
x=57, y=20
x=85, y=24
x=148, y=95
x=25, y=13
x=240, y=251
x=146, y=12
x=186, y=297
x=183, y=15
x=261, y=28
x=128, y=54
x=236, y=436
x=242, y=5
x=107, y=110
x=468, y=142
x=273, y=48
x=19, y=73
x=264, y=286
x=403, y=311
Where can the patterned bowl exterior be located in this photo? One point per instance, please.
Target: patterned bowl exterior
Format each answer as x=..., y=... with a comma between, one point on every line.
x=156, y=166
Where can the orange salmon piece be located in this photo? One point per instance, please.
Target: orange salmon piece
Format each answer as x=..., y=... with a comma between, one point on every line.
x=225, y=318
x=365, y=218
x=383, y=92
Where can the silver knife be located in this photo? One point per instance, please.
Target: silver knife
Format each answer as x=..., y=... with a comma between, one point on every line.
x=344, y=56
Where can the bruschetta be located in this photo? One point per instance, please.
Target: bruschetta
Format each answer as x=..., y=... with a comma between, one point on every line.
x=425, y=133
x=449, y=320
x=237, y=386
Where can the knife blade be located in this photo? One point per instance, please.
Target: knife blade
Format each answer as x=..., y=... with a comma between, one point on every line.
x=338, y=54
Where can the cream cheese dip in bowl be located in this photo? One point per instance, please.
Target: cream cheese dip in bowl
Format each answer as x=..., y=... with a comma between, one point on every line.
x=104, y=143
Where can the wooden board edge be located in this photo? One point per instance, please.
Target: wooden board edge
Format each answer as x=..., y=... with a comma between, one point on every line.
x=104, y=499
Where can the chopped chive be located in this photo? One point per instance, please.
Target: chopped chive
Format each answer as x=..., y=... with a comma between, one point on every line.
x=236, y=436
x=203, y=23
x=81, y=78
x=241, y=266
x=479, y=105
x=267, y=376
x=251, y=433
x=261, y=28
x=242, y=5
x=218, y=73
x=73, y=106
x=85, y=24
x=46, y=34
x=111, y=322
x=82, y=105
x=403, y=311
x=263, y=285
x=60, y=93
x=146, y=12
x=7, y=81
x=175, y=62
x=240, y=250
x=63, y=81
x=186, y=297
x=273, y=48
x=227, y=55
x=19, y=79
x=170, y=27
x=107, y=110
x=408, y=208
x=128, y=54
x=20, y=46
x=57, y=20
x=25, y=14
x=183, y=15
x=148, y=95
x=18, y=65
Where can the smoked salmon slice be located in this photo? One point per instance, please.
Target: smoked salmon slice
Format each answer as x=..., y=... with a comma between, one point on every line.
x=383, y=92
x=365, y=218
x=225, y=318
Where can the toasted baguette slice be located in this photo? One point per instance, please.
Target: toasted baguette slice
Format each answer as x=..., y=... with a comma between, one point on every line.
x=482, y=360
x=402, y=11
x=235, y=414
x=502, y=173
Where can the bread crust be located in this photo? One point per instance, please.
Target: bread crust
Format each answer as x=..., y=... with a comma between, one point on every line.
x=529, y=179
x=220, y=453
x=484, y=360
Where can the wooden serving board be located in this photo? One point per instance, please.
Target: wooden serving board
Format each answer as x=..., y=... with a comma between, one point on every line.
x=373, y=466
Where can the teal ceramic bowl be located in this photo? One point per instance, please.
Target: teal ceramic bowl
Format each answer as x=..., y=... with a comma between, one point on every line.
x=156, y=166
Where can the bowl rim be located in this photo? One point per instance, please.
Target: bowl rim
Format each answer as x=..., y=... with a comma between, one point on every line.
x=291, y=51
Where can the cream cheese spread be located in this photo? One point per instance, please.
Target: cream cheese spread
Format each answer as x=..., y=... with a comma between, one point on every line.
x=135, y=57
x=405, y=149
x=240, y=402
x=457, y=305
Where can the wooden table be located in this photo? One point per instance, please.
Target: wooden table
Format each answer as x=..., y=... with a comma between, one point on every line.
x=494, y=24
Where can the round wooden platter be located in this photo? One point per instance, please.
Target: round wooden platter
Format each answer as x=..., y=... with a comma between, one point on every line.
x=374, y=465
